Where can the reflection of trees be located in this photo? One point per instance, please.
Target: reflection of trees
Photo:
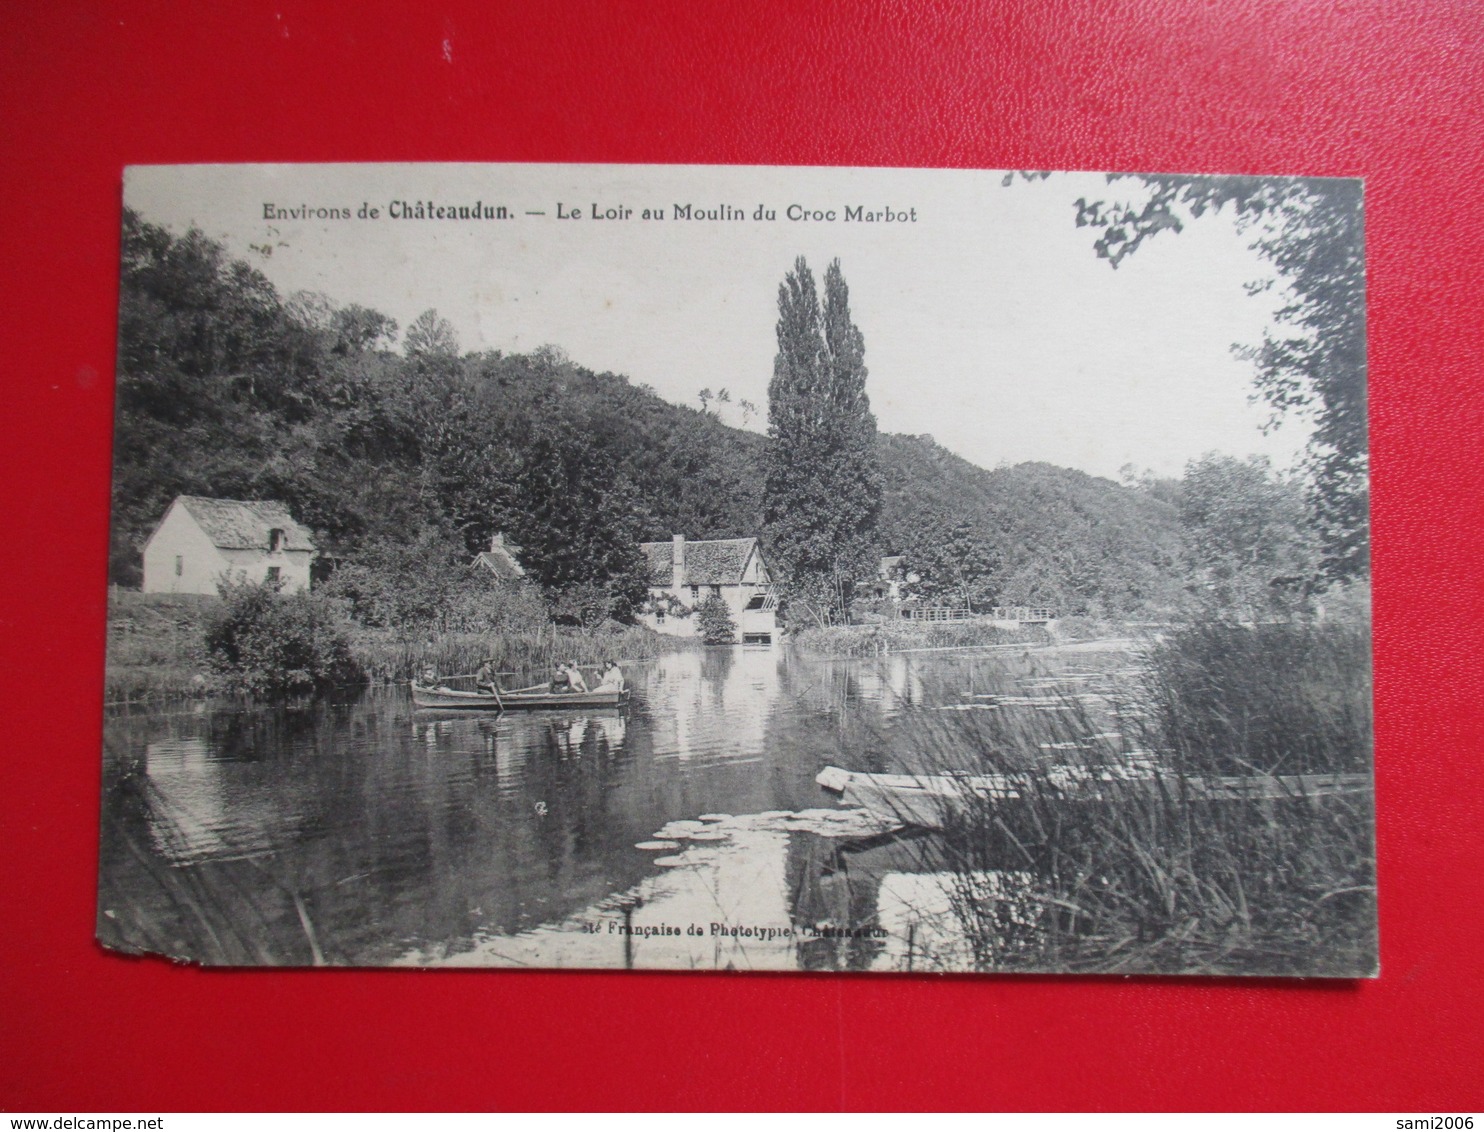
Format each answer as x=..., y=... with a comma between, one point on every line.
x=573, y=775
x=374, y=828
x=826, y=889
x=264, y=733
x=826, y=716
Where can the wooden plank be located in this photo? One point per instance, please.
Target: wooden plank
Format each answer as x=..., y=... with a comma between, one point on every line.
x=927, y=800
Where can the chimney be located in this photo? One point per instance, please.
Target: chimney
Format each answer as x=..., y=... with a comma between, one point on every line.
x=677, y=562
x=497, y=541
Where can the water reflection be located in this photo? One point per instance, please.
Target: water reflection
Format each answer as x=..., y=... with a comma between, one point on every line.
x=365, y=832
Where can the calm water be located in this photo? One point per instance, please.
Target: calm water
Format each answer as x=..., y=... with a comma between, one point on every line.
x=367, y=832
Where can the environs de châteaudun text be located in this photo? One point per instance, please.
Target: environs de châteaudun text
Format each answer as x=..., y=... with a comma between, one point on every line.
x=479, y=210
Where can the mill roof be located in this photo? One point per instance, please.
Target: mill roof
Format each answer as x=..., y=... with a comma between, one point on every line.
x=500, y=562
x=238, y=524
x=708, y=562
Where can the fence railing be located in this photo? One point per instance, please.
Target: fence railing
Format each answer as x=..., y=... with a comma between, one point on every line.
x=1024, y=614
x=936, y=613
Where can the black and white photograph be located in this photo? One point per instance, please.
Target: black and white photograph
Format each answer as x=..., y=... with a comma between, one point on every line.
x=740, y=569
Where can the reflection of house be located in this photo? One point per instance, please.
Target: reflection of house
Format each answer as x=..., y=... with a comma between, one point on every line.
x=684, y=574
x=200, y=542
x=500, y=560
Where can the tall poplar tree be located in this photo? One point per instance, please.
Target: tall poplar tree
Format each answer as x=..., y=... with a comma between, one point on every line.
x=822, y=493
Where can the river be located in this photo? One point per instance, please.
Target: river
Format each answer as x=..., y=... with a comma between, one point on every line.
x=686, y=831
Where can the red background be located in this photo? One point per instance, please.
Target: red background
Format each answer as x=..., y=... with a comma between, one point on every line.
x=1390, y=91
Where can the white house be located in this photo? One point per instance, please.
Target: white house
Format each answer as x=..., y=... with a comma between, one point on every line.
x=684, y=574
x=200, y=542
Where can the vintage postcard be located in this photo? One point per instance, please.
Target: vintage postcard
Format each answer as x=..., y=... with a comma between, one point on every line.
x=740, y=569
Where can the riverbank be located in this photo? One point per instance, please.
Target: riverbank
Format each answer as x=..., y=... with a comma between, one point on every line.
x=156, y=646
x=157, y=649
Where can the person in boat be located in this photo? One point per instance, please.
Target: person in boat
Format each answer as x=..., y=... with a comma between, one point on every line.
x=559, y=680
x=612, y=680
x=484, y=679
x=429, y=676
x=575, y=680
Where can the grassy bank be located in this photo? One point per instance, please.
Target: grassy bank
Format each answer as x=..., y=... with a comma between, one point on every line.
x=156, y=646
x=1151, y=879
x=157, y=649
x=885, y=637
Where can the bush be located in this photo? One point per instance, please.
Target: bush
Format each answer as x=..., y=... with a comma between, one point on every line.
x=714, y=620
x=592, y=603
x=271, y=644
x=428, y=584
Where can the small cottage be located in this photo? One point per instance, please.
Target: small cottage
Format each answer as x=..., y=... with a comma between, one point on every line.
x=683, y=574
x=500, y=560
x=201, y=542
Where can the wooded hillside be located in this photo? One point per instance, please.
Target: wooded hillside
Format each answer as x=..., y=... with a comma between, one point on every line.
x=228, y=389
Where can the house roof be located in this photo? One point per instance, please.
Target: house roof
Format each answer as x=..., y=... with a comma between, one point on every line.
x=237, y=524
x=708, y=562
x=501, y=563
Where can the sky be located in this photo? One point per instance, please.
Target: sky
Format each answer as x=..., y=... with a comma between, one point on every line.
x=989, y=322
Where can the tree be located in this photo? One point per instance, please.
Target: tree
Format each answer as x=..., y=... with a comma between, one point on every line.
x=430, y=336
x=188, y=312
x=409, y=584
x=954, y=562
x=822, y=487
x=714, y=621
x=357, y=329
x=1251, y=550
x=1311, y=231
x=576, y=531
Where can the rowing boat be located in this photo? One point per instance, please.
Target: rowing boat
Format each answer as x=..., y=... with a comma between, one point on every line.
x=536, y=696
x=929, y=801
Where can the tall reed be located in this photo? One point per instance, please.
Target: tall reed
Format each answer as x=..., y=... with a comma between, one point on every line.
x=1141, y=872
x=887, y=637
x=389, y=658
